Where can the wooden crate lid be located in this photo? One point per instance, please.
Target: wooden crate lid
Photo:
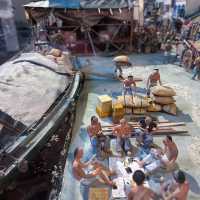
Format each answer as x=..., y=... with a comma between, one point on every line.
x=104, y=98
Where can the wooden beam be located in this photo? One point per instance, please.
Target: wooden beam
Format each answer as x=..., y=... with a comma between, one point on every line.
x=91, y=43
x=132, y=28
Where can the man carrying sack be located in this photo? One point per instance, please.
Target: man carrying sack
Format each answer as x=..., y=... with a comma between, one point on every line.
x=153, y=80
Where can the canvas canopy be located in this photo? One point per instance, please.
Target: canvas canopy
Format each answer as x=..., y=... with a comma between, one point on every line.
x=22, y=96
x=82, y=4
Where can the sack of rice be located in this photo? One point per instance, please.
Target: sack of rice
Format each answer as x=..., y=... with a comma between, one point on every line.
x=140, y=102
x=171, y=109
x=55, y=52
x=51, y=57
x=163, y=100
x=121, y=59
x=135, y=101
x=163, y=91
x=153, y=107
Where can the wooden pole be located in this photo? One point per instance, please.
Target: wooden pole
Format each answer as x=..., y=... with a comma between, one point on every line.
x=132, y=28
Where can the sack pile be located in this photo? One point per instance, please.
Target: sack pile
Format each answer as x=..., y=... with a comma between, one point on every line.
x=164, y=96
x=138, y=103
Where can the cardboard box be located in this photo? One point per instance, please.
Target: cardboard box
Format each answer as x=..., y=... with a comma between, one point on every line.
x=105, y=103
x=103, y=114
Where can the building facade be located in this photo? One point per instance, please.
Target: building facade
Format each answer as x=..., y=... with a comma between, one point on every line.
x=192, y=6
x=8, y=34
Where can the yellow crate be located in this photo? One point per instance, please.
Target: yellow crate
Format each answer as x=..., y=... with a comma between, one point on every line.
x=101, y=113
x=117, y=106
x=105, y=103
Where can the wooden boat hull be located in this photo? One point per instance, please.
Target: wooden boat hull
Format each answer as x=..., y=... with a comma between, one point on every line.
x=41, y=132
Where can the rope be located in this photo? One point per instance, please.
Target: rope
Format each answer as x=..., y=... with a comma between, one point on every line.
x=42, y=65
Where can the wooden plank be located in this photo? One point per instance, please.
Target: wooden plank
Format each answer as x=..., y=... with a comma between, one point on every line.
x=161, y=131
x=163, y=124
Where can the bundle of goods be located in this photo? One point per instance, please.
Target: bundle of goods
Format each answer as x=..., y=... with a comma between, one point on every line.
x=104, y=106
x=123, y=59
x=117, y=112
x=153, y=107
x=138, y=103
x=61, y=58
x=164, y=96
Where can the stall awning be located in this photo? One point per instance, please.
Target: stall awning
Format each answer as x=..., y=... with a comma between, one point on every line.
x=70, y=4
x=82, y=4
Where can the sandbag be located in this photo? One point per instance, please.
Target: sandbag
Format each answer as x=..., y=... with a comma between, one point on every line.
x=121, y=59
x=55, y=52
x=135, y=101
x=51, y=57
x=163, y=91
x=163, y=100
x=153, y=107
x=171, y=109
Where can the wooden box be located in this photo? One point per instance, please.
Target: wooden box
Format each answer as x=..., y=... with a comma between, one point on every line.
x=105, y=103
x=101, y=113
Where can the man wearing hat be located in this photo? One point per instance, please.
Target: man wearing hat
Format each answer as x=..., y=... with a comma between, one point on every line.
x=178, y=189
x=196, y=69
x=153, y=80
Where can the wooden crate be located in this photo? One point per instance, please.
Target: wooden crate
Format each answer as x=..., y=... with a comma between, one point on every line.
x=98, y=194
x=105, y=103
x=118, y=108
x=102, y=113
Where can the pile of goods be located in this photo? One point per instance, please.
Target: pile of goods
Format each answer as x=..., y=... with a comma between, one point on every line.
x=163, y=99
x=138, y=104
x=105, y=108
x=61, y=58
x=122, y=58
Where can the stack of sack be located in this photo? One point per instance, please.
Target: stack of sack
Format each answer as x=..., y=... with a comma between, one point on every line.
x=136, y=103
x=61, y=58
x=164, y=97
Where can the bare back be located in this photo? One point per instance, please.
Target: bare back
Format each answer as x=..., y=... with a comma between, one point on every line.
x=122, y=131
x=93, y=130
x=77, y=170
x=172, y=152
x=140, y=193
x=154, y=78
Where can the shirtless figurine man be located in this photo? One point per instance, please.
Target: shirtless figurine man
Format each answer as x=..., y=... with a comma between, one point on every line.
x=95, y=171
x=139, y=191
x=123, y=132
x=129, y=85
x=178, y=189
x=158, y=158
x=100, y=143
x=153, y=80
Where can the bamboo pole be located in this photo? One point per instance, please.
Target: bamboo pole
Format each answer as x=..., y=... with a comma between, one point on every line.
x=132, y=28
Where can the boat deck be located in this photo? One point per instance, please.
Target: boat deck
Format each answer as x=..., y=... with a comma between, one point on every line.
x=187, y=102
